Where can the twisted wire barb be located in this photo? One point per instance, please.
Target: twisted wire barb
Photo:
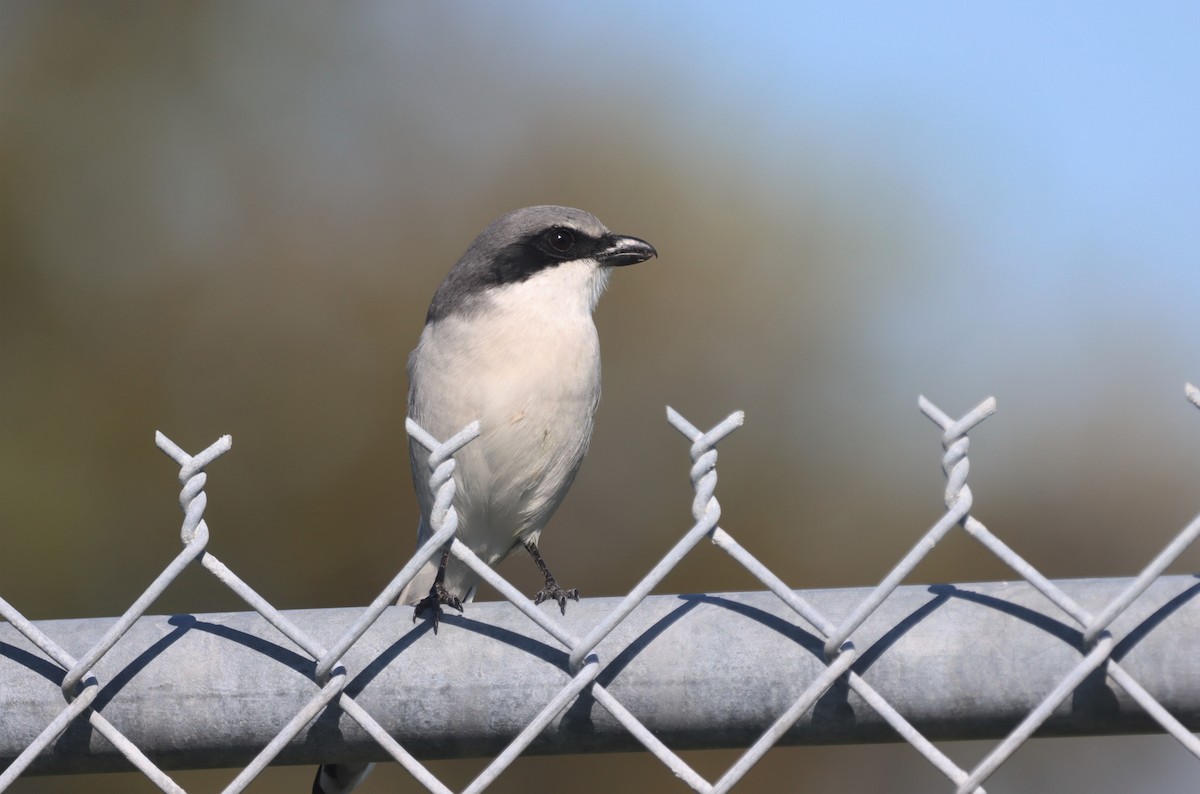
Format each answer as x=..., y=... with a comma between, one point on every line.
x=195, y=535
x=958, y=505
x=443, y=520
x=79, y=685
x=583, y=665
x=1096, y=642
x=703, y=446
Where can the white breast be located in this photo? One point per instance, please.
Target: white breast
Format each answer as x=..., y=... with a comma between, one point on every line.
x=527, y=365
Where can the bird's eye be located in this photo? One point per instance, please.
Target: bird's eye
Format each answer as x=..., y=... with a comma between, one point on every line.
x=561, y=240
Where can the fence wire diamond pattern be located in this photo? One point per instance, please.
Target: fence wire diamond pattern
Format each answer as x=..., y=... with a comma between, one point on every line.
x=1091, y=638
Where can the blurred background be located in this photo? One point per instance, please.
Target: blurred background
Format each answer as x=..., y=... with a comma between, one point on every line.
x=230, y=218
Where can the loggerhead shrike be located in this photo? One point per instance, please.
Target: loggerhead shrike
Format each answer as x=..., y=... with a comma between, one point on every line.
x=508, y=340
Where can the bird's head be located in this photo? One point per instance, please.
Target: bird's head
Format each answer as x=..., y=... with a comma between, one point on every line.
x=559, y=250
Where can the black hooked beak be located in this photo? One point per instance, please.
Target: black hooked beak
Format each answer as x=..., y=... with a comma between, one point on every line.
x=622, y=251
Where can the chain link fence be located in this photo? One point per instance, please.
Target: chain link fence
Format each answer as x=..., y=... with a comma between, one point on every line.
x=662, y=673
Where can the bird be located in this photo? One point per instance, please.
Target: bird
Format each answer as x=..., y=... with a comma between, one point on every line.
x=509, y=340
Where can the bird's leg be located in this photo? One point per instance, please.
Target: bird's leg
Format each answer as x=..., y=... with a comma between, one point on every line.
x=438, y=595
x=551, y=592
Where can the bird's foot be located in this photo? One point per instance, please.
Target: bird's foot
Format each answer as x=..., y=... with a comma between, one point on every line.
x=552, y=592
x=438, y=595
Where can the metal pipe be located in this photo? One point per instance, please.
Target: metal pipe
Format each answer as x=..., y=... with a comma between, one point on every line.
x=958, y=661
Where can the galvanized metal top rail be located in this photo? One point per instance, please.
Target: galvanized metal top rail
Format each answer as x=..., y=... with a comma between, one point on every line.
x=960, y=661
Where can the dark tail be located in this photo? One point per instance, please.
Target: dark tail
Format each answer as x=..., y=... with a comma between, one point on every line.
x=339, y=778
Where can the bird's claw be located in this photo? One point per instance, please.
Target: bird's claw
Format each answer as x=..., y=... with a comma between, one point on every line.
x=552, y=592
x=438, y=595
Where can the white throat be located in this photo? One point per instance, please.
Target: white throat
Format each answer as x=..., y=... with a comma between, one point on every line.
x=567, y=289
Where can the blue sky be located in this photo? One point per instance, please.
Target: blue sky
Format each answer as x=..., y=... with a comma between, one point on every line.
x=1050, y=123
